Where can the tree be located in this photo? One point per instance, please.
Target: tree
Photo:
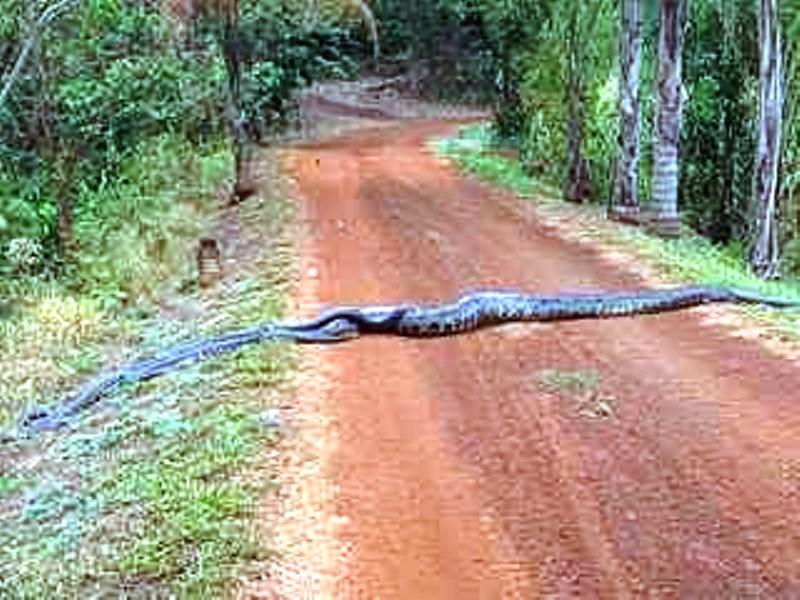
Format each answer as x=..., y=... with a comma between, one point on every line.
x=512, y=30
x=232, y=41
x=228, y=13
x=87, y=85
x=577, y=181
x=718, y=126
x=625, y=195
x=672, y=24
x=765, y=253
x=581, y=19
x=47, y=16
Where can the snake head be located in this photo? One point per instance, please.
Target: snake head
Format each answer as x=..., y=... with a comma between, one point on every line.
x=337, y=330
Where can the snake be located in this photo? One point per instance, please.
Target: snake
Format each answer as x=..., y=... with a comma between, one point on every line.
x=467, y=313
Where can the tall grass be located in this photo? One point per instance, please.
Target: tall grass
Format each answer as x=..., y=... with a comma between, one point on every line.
x=154, y=492
x=132, y=234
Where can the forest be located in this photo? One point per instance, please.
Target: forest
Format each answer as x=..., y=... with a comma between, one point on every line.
x=657, y=109
x=652, y=108
x=181, y=178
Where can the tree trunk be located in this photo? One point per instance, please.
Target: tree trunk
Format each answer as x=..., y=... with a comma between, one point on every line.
x=625, y=193
x=244, y=185
x=507, y=113
x=765, y=253
x=34, y=32
x=578, y=186
x=64, y=172
x=668, y=121
x=61, y=155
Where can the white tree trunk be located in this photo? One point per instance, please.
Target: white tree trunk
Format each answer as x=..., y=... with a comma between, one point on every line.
x=625, y=195
x=668, y=119
x=765, y=255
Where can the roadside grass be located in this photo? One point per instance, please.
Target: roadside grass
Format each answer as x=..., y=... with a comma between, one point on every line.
x=579, y=390
x=152, y=493
x=132, y=234
x=691, y=258
x=476, y=151
x=135, y=236
x=570, y=382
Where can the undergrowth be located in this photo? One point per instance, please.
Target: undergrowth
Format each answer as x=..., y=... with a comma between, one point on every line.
x=559, y=380
x=151, y=493
x=131, y=232
x=135, y=235
x=690, y=258
x=477, y=151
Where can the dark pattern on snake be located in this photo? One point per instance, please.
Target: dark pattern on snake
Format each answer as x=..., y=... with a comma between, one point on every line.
x=468, y=313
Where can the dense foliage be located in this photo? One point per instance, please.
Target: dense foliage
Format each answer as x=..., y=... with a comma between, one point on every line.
x=105, y=76
x=720, y=87
x=551, y=69
x=443, y=43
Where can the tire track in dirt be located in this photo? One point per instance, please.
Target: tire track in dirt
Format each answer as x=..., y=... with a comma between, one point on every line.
x=458, y=475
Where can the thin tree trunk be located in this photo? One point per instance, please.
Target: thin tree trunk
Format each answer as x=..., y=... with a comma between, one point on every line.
x=764, y=259
x=243, y=186
x=35, y=30
x=668, y=121
x=625, y=194
x=578, y=186
x=507, y=106
x=52, y=151
x=64, y=172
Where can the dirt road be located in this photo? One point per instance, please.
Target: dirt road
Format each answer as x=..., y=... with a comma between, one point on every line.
x=468, y=468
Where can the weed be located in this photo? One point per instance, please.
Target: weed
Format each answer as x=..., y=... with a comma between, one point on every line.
x=570, y=382
x=9, y=485
x=152, y=492
x=133, y=235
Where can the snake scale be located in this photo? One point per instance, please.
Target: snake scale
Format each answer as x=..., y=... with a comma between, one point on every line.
x=467, y=313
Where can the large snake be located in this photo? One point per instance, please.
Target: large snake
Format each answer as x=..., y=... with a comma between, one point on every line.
x=468, y=313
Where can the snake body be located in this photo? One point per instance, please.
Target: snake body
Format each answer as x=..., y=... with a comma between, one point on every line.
x=467, y=313
x=481, y=309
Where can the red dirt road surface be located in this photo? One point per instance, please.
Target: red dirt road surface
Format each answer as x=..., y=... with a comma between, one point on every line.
x=467, y=467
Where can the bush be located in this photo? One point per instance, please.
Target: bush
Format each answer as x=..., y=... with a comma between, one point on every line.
x=129, y=232
x=109, y=76
x=24, y=255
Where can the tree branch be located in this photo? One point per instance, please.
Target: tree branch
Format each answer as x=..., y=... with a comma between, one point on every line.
x=369, y=19
x=47, y=16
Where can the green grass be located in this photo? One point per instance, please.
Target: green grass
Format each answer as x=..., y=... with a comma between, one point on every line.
x=581, y=389
x=135, y=235
x=570, y=382
x=153, y=492
x=691, y=258
x=131, y=234
x=9, y=485
x=475, y=152
x=194, y=517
